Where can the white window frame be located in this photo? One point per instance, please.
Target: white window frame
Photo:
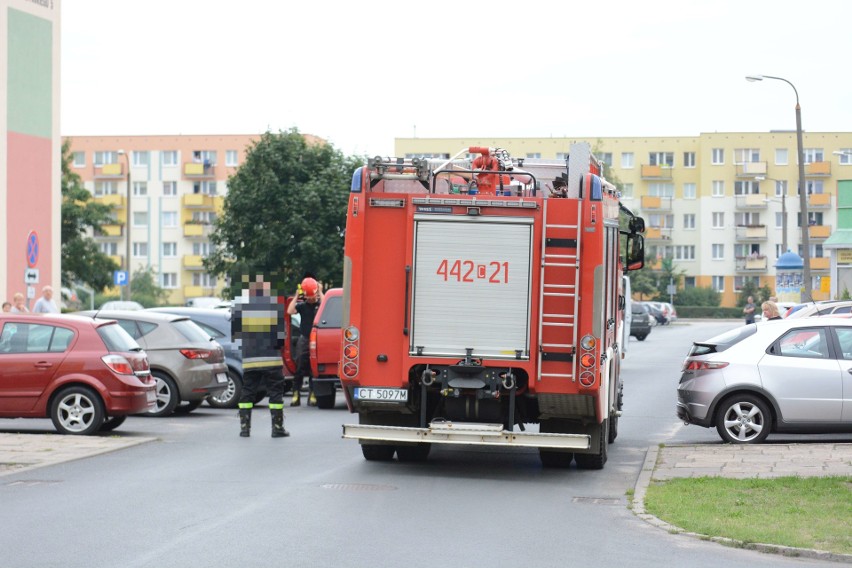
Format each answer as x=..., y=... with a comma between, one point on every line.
x=718, y=188
x=718, y=157
x=689, y=159
x=627, y=191
x=140, y=188
x=141, y=158
x=105, y=188
x=138, y=214
x=780, y=187
x=689, y=221
x=718, y=220
x=717, y=251
x=746, y=155
x=813, y=155
x=170, y=189
x=627, y=160
x=169, y=249
x=169, y=280
x=718, y=283
x=782, y=156
x=79, y=159
x=169, y=219
x=140, y=249
x=231, y=158
x=170, y=158
x=845, y=156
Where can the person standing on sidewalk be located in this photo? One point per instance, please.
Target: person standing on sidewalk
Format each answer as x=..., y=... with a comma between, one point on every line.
x=257, y=326
x=45, y=305
x=307, y=310
x=749, y=309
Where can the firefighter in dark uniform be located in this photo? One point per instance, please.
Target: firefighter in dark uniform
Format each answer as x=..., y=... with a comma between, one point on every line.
x=258, y=328
x=306, y=303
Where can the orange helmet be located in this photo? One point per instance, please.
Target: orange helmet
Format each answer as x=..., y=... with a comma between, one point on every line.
x=309, y=287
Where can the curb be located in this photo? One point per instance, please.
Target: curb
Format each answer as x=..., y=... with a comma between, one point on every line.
x=638, y=506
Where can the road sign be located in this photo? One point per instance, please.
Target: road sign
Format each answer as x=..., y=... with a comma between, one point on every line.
x=31, y=276
x=119, y=278
x=32, y=249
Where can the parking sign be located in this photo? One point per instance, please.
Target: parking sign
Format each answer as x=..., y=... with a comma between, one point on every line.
x=119, y=278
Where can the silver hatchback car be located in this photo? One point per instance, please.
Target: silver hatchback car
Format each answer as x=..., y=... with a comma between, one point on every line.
x=775, y=376
x=186, y=363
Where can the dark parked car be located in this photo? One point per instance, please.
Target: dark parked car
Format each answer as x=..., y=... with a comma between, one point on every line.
x=86, y=374
x=789, y=375
x=640, y=324
x=186, y=363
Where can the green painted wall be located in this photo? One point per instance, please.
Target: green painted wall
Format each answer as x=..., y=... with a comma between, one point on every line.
x=30, y=47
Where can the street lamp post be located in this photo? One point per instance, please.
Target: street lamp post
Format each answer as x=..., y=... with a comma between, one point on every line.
x=783, y=213
x=807, y=295
x=127, y=223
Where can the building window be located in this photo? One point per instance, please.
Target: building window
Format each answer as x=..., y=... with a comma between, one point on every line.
x=746, y=187
x=661, y=159
x=140, y=159
x=140, y=218
x=627, y=191
x=204, y=187
x=718, y=220
x=689, y=281
x=718, y=251
x=206, y=157
x=105, y=188
x=170, y=157
x=746, y=155
x=102, y=158
x=626, y=160
x=814, y=186
x=684, y=252
x=169, y=250
x=109, y=248
x=741, y=281
x=140, y=249
x=79, y=159
x=719, y=283
x=689, y=191
x=718, y=188
x=781, y=157
x=689, y=159
x=659, y=189
x=231, y=158
x=779, y=220
x=718, y=156
x=534, y=155
x=169, y=188
x=201, y=248
x=845, y=156
x=204, y=280
x=204, y=217
x=140, y=188
x=662, y=221
x=689, y=221
x=780, y=187
x=606, y=158
x=813, y=155
x=169, y=219
x=749, y=219
x=169, y=279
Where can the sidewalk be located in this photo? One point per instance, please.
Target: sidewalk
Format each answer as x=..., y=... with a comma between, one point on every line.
x=743, y=461
x=23, y=452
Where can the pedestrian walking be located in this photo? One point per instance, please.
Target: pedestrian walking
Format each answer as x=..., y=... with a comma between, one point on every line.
x=45, y=304
x=257, y=326
x=306, y=303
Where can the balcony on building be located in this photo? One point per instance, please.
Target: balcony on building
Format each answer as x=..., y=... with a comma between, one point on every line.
x=199, y=170
x=819, y=201
x=199, y=201
x=656, y=203
x=193, y=262
x=751, y=233
x=819, y=231
x=821, y=263
x=109, y=171
x=117, y=258
x=751, y=169
x=196, y=229
x=650, y=172
x=818, y=169
x=752, y=201
x=198, y=291
x=752, y=263
x=115, y=200
x=110, y=230
x=658, y=233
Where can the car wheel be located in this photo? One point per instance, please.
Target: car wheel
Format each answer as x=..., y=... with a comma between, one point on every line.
x=187, y=407
x=743, y=419
x=612, y=433
x=229, y=397
x=641, y=337
x=77, y=410
x=112, y=422
x=167, y=395
x=377, y=452
x=326, y=400
x=415, y=453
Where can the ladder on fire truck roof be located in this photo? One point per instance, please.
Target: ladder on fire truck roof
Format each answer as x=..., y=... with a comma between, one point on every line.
x=559, y=292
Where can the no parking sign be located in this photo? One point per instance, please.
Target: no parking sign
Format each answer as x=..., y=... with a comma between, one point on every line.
x=32, y=249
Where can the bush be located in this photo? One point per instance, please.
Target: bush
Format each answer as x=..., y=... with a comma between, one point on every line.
x=709, y=312
x=697, y=297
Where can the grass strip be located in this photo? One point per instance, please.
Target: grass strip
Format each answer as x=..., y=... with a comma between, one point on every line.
x=803, y=512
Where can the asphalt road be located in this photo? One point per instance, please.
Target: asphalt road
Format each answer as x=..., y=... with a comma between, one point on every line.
x=202, y=496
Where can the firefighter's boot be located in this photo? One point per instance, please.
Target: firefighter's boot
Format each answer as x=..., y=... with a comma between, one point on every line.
x=296, y=400
x=278, y=430
x=245, y=422
x=312, y=399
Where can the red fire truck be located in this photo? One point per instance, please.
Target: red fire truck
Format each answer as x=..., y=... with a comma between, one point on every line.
x=482, y=302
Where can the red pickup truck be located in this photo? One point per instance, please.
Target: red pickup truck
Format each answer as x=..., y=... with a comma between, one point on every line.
x=325, y=347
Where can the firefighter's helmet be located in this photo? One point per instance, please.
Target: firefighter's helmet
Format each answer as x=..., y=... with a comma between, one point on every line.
x=309, y=287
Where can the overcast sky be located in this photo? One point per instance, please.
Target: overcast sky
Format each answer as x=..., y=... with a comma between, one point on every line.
x=360, y=74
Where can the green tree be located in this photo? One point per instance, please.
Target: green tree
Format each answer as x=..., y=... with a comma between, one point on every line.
x=81, y=259
x=285, y=213
x=643, y=282
x=698, y=297
x=145, y=290
x=750, y=289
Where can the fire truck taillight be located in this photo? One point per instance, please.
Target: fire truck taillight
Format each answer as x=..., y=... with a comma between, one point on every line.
x=351, y=352
x=587, y=379
x=587, y=360
x=588, y=342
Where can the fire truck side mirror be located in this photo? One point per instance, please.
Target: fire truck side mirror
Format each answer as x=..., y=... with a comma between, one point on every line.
x=637, y=225
x=635, y=252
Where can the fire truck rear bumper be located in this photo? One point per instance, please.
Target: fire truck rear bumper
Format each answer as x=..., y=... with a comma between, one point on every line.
x=465, y=433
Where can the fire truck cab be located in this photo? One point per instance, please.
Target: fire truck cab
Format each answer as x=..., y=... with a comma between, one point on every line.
x=483, y=305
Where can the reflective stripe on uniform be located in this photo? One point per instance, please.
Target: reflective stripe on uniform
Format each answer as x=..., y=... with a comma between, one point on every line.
x=273, y=406
x=259, y=362
x=245, y=405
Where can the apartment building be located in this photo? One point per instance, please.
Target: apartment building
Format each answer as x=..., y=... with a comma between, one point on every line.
x=715, y=203
x=176, y=189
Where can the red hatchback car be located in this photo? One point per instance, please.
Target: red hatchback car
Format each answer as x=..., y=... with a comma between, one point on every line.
x=85, y=374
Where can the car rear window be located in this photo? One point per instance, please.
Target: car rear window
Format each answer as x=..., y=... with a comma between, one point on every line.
x=190, y=331
x=332, y=312
x=723, y=341
x=637, y=308
x=116, y=339
x=209, y=330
